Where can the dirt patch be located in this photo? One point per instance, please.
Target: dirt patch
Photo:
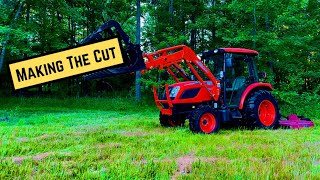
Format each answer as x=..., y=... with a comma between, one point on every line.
x=25, y=139
x=83, y=129
x=78, y=132
x=42, y=137
x=102, y=146
x=211, y=160
x=45, y=136
x=41, y=156
x=142, y=160
x=134, y=134
x=185, y=163
x=66, y=153
x=117, y=145
x=18, y=160
x=263, y=160
x=139, y=162
x=38, y=157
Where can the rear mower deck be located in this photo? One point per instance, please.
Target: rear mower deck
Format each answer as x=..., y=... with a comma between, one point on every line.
x=295, y=122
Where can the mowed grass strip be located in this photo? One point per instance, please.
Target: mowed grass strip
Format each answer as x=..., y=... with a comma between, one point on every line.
x=118, y=138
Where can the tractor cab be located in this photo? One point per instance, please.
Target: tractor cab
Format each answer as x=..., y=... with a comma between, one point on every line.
x=236, y=70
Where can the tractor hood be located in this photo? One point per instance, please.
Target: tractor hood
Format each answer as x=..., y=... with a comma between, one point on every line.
x=187, y=89
x=190, y=84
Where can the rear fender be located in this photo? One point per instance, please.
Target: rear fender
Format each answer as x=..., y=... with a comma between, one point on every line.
x=254, y=87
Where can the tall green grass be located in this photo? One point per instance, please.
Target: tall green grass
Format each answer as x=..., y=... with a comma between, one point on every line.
x=118, y=138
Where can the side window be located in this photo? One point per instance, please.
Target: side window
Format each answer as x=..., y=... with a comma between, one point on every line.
x=241, y=68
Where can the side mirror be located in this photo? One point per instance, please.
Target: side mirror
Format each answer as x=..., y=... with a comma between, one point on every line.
x=228, y=62
x=192, y=78
x=221, y=74
x=262, y=75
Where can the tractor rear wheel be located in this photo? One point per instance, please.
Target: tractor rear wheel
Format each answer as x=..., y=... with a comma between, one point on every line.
x=261, y=110
x=170, y=121
x=204, y=120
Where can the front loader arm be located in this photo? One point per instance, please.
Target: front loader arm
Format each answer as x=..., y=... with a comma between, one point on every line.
x=171, y=58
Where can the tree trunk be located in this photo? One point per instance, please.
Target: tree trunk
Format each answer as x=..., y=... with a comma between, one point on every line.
x=138, y=76
x=28, y=13
x=254, y=27
x=171, y=10
x=193, y=35
x=3, y=51
x=267, y=17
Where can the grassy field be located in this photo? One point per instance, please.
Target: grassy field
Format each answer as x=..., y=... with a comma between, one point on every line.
x=117, y=138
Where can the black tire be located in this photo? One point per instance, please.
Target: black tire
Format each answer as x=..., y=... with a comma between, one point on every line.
x=204, y=120
x=170, y=121
x=261, y=110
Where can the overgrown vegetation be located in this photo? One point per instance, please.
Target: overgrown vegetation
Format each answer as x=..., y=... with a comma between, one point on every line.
x=304, y=104
x=286, y=34
x=117, y=138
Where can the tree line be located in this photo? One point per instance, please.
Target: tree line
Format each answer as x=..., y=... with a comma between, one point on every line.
x=286, y=33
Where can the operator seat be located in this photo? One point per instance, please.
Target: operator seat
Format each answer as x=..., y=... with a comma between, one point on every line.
x=237, y=83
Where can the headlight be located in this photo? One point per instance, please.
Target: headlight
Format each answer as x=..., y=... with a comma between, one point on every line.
x=174, y=91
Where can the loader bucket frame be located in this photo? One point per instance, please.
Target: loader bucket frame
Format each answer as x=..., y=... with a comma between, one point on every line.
x=132, y=55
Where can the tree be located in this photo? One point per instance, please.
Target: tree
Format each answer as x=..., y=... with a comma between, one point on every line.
x=138, y=88
x=8, y=35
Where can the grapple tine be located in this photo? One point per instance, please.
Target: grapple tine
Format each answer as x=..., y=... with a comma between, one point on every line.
x=132, y=54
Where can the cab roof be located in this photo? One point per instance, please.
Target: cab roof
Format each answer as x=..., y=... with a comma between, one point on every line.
x=239, y=50
x=229, y=50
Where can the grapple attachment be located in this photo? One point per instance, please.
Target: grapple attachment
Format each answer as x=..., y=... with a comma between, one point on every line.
x=131, y=53
x=296, y=122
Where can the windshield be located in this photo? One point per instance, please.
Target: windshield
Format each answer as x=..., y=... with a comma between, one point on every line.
x=215, y=63
x=237, y=65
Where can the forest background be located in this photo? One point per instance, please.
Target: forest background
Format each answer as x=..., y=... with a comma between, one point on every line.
x=285, y=33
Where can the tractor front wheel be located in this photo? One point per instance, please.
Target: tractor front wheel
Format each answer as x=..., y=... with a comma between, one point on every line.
x=261, y=110
x=170, y=121
x=204, y=120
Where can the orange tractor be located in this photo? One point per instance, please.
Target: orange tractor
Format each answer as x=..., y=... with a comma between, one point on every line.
x=233, y=95
x=221, y=86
